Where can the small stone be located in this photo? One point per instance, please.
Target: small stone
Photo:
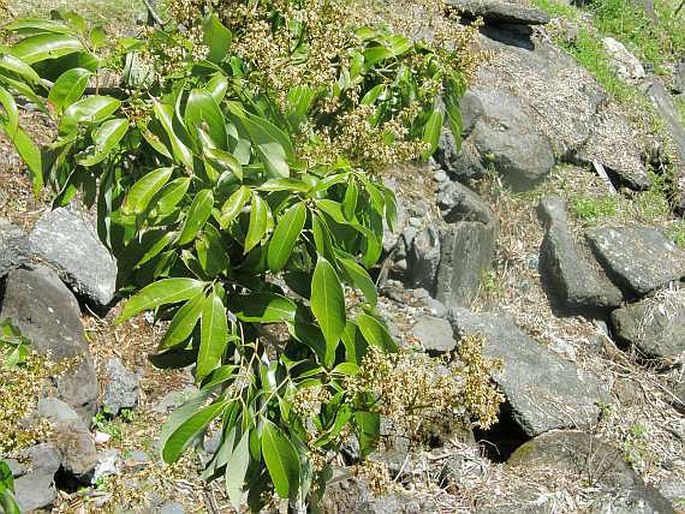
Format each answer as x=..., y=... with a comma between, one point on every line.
x=172, y=508
x=435, y=307
x=101, y=437
x=435, y=334
x=440, y=176
x=627, y=66
x=137, y=459
x=121, y=387
x=415, y=222
x=107, y=464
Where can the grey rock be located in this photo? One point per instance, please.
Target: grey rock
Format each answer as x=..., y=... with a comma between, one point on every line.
x=440, y=176
x=172, y=508
x=638, y=259
x=461, y=162
x=434, y=334
x=471, y=110
x=619, y=147
x=174, y=399
x=544, y=391
x=48, y=314
x=354, y=495
x=506, y=138
x=467, y=248
x=561, y=98
x=68, y=241
x=36, y=490
x=627, y=66
x=572, y=280
x=122, y=388
x=678, y=86
x=14, y=247
x=423, y=258
x=595, y=462
x=497, y=12
x=71, y=436
x=654, y=326
x=108, y=464
x=435, y=307
x=666, y=107
x=459, y=203
x=673, y=490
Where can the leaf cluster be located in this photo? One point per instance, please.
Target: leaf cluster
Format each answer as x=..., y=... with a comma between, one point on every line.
x=240, y=209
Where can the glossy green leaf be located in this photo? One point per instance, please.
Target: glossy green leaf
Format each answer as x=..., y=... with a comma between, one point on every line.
x=203, y=113
x=214, y=336
x=236, y=469
x=11, y=63
x=183, y=323
x=165, y=115
x=359, y=278
x=198, y=214
x=140, y=194
x=211, y=253
x=349, y=205
x=375, y=333
x=10, y=117
x=38, y=48
x=262, y=307
x=217, y=38
x=105, y=138
x=328, y=304
x=37, y=25
x=170, y=196
x=281, y=460
x=232, y=207
x=285, y=236
x=259, y=213
x=190, y=429
x=369, y=425
x=431, y=132
x=31, y=155
x=162, y=292
x=68, y=88
x=217, y=87
x=89, y=110
x=224, y=161
x=157, y=248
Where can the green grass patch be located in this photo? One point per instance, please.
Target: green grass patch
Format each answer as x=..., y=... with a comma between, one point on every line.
x=592, y=209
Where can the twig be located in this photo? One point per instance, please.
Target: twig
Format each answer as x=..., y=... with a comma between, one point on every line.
x=604, y=175
x=153, y=17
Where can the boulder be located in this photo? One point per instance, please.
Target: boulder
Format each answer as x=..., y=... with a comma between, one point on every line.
x=68, y=242
x=498, y=12
x=121, y=387
x=570, y=278
x=619, y=147
x=36, y=489
x=71, y=437
x=654, y=326
x=459, y=203
x=466, y=252
x=596, y=463
x=678, y=86
x=48, y=314
x=423, y=258
x=543, y=391
x=14, y=247
x=637, y=259
x=506, y=138
x=627, y=66
x=461, y=162
x=434, y=334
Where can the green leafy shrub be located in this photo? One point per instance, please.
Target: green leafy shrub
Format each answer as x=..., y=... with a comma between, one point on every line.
x=8, y=504
x=232, y=168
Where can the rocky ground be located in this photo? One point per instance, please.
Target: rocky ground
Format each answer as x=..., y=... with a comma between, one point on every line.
x=553, y=232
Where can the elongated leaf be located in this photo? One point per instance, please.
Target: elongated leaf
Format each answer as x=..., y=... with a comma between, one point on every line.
x=375, y=333
x=217, y=38
x=186, y=432
x=88, y=110
x=359, y=278
x=170, y=196
x=236, y=469
x=328, y=304
x=11, y=113
x=349, y=205
x=157, y=248
x=31, y=155
x=203, y=112
x=224, y=161
x=259, y=213
x=262, y=307
x=13, y=64
x=431, y=132
x=369, y=425
x=281, y=460
x=162, y=292
x=35, y=25
x=38, y=48
x=198, y=214
x=183, y=323
x=68, y=88
x=165, y=115
x=233, y=206
x=214, y=336
x=211, y=253
x=217, y=87
x=105, y=137
x=284, y=237
x=140, y=194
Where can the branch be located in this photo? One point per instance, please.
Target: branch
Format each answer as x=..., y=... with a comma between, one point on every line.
x=152, y=16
